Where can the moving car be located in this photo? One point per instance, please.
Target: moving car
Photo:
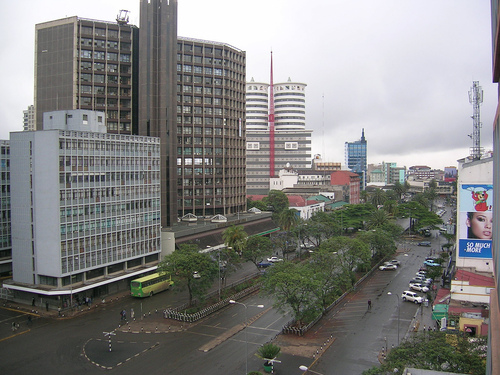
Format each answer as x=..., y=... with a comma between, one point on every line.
x=411, y=297
x=394, y=261
x=387, y=267
x=425, y=243
x=419, y=288
x=274, y=259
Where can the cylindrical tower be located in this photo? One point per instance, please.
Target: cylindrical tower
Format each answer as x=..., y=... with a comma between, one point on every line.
x=257, y=105
x=290, y=105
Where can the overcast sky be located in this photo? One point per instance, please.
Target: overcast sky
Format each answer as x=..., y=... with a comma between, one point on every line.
x=400, y=69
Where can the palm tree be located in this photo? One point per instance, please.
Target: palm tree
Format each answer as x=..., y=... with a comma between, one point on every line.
x=378, y=197
x=377, y=219
x=235, y=237
x=288, y=218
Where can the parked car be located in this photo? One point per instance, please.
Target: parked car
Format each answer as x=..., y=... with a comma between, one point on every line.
x=263, y=264
x=419, y=288
x=274, y=259
x=426, y=280
x=425, y=243
x=411, y=297
x=387, y=267
x=394, y=261
x=431, y=263
x=420, y=281
x=421, y=273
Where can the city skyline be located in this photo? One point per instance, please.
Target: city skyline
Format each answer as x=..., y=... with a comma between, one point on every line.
x=390, y=76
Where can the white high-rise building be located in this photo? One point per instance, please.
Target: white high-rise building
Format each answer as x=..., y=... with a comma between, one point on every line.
x=292, y=141
x=85, y=208
x=29, y=118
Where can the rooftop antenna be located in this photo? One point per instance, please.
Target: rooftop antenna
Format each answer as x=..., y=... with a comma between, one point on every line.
x=122, y=17
x=476, y=98
x=271, y=122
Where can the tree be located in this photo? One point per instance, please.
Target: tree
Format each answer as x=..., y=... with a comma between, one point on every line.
x=284, y=240
x=257, y=247
x=261, y=205
x=381, y=244
x=182, y=264
x=288, y=218
x=420, y=216
x=352, y=253
x=378, y=197
x=354, y=215
x=377, y=219
x=436, y=351
x=235, y=237
x=399, y=189
x=292, y=287
x=277, y=200
x=391, y=207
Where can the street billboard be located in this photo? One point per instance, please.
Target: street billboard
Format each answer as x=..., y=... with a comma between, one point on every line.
x=476, y=220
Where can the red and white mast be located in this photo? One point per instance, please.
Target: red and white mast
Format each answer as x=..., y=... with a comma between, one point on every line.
x=271, y=123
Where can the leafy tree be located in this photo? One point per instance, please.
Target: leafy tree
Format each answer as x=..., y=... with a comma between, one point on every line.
x=284, y=241
x=421, y=217
x=322, y=226
x=277, y=200
x=288, y=218
x=228, y=261
x=183, y=262
x=391, y=207
x=235, y=237
x=363, y=196
x=380, y=243
x=261, y=205
x=399, y=189
x=327, y=273
x=257, y=247
x=354, y=215
x=436, y=351
x=392, y=230
x=292, y=287
x=351, y=252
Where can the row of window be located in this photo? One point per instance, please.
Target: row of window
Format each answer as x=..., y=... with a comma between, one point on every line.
x=105, y=256
x=87, y=144
x=111, y=33
x=100, y=43
x=105, y=67
x=199, y=181
x=124, y=178
x=101, y=78
x=120, y=192
x=109, y=56
x=112, y=209
x=91, y=161
x=104, y=90
x=110, y=223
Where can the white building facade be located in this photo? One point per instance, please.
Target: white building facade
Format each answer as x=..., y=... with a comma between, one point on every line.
x=86, y=206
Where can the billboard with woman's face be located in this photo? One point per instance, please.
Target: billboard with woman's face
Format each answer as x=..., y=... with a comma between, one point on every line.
x=476, y=220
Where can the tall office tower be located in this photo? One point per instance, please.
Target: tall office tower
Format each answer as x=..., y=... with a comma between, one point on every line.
x=5, y=237
x=192, y=96
x=29, y=118
x=157, y=97
x=356, y=158
x=87, y=207
x=87, y=64
x=292, y=141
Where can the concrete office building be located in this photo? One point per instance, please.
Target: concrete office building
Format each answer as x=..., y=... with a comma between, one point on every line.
x=192, y=96
x=87, y=64
x=29, y=118
x=87, y=208
x=5, y=237
x=292, y=141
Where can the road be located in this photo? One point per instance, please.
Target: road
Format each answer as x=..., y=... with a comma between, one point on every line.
x=79, y=345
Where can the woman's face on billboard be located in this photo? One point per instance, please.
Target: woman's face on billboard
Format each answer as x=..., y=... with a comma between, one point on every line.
x=481, y=224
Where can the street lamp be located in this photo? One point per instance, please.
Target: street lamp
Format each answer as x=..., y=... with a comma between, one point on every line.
x=390, y=294
x=246, y=325
x=71, y=282
x=305, y=368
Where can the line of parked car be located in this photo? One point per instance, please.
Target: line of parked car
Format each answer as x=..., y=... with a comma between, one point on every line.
x=420, y=283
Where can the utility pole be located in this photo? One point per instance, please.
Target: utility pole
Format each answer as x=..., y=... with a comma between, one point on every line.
x=476, y=98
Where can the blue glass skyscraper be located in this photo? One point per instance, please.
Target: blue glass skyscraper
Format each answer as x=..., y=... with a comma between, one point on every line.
x=355, y=158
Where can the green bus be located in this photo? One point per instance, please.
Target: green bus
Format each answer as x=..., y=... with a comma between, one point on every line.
x=148, y=285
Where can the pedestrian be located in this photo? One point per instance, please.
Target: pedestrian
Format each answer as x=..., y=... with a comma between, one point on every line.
x=13, y=326
x=132, y=314
x=124, y=315
x=33, y=302
x=369, y=304
x=59, y=311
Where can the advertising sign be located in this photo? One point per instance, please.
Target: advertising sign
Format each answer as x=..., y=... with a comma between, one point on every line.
x=476, y=220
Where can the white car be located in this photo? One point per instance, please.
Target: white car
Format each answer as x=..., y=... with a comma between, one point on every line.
x=395, y=261
x=387, y=267
x=419, y=288
x=411, y=297
x=274, y=259
x=196, y=275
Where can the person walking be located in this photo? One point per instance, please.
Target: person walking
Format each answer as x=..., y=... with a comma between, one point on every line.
x=369, y=304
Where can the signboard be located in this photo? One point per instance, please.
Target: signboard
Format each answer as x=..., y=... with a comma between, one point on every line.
x=476, y=220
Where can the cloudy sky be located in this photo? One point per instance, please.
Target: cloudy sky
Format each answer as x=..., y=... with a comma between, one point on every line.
x=400, y=69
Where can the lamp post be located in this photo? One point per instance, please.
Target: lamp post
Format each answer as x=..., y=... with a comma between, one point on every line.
x=390, y=294
x=305, y=368
x=246, y=325
x=71, y=282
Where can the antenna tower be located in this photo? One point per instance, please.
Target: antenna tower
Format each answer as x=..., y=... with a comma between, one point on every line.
x=122, y=17
x=271, y=122
x=476, y=98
